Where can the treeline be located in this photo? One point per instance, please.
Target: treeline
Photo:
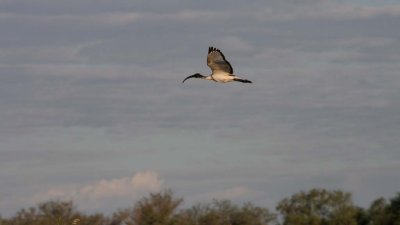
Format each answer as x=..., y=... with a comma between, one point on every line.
x=313, y=207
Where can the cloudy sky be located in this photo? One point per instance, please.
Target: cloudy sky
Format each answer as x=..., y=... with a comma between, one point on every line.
x=92, y=107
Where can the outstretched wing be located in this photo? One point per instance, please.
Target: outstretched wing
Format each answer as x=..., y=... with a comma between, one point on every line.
x=217, y=62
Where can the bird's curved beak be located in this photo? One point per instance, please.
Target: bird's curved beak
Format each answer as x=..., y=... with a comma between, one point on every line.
x=193, y=76
x=187, y=78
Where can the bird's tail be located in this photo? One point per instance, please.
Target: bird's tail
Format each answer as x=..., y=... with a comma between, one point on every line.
x=242, y=80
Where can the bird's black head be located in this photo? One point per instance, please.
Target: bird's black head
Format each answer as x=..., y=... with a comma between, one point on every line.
x=196, y=75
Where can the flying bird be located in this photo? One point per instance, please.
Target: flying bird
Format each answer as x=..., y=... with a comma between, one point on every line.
x=221, y=69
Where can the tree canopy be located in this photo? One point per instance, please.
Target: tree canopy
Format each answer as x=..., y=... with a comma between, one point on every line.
x=312, y=207
x=318, y=207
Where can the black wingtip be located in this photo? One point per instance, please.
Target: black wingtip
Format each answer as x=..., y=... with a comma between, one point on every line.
x=211, y=49
x=243, y=80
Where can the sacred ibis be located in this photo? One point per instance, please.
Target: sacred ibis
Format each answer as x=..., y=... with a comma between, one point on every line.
x=222, y=71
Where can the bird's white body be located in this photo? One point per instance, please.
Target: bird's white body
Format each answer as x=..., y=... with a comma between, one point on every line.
x=222, y=71
x=221, y=77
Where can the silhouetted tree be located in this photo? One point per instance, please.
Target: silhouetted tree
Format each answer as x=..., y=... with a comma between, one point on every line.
x=362, y=216
x=394, y=210
x=378, y=212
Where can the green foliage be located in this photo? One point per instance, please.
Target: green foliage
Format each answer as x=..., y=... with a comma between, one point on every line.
x=318, y=207
x=394, y=210
x=315, y=207
x=223, y=212
x=378, y=212
x=157, y=209
x=381, y=212
x=48, y=213
x=54, y=213
x=362, y=217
